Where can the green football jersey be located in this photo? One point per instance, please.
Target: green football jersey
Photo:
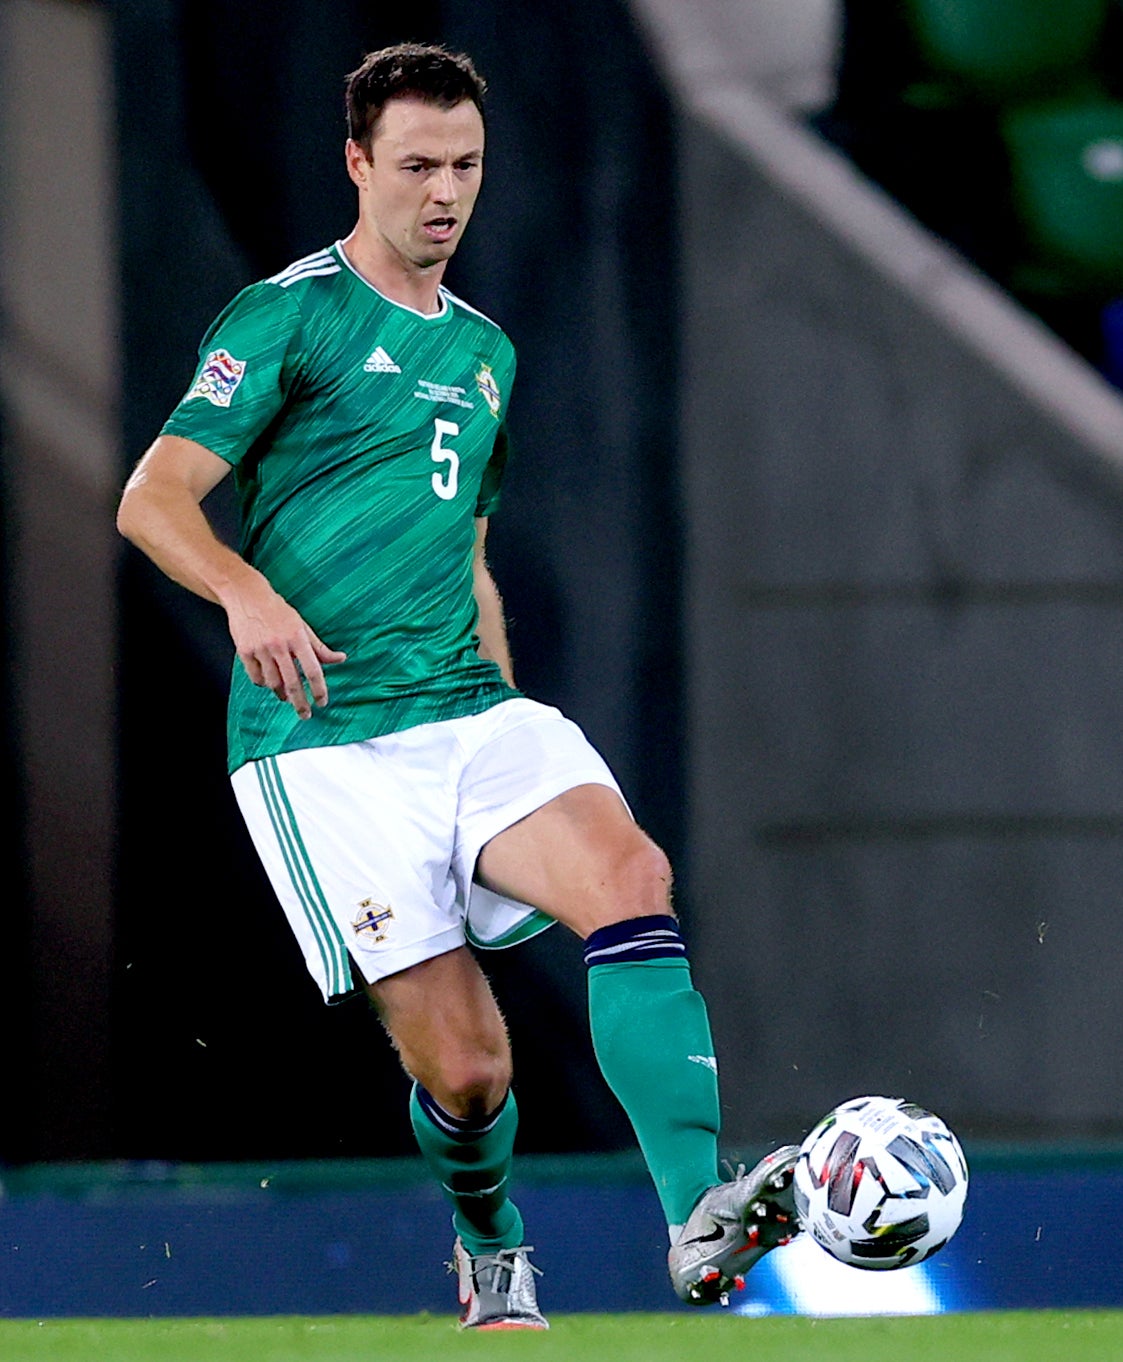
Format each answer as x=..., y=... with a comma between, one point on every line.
x=365, y=438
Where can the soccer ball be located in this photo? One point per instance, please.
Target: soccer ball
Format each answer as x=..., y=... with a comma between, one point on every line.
x=880, y=1183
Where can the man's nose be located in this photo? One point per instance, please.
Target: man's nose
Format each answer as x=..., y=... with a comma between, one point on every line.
x=444, y=185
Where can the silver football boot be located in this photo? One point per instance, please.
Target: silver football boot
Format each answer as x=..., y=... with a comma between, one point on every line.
x=497, y=1289
x=732, y=1227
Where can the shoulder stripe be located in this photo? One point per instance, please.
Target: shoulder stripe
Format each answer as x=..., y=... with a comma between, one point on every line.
x=283, y=281
x=316, y=258
x=293, y=273
x=468, y=307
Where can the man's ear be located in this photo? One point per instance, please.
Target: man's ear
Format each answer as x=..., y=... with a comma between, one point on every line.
x=358, y=162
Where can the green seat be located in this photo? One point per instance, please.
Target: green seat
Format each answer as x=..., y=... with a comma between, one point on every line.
x=996, y=50
x=1066, y=180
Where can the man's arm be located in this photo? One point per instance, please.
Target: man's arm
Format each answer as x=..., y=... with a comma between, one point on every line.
x=160, y=512
x=491, y=628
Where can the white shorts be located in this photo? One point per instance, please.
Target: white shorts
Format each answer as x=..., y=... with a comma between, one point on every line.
x=371, y=847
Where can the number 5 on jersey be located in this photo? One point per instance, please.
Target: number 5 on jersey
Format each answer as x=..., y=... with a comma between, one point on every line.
x=445, y=487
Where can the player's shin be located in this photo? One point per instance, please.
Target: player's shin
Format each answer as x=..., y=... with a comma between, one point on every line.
x=472, y=1162
x=651, y=1034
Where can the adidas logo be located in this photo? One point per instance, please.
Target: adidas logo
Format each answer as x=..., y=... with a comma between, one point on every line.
x=381, y=363
x=706, y=1061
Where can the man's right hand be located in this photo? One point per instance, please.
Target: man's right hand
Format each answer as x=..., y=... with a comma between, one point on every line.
x=277, y=647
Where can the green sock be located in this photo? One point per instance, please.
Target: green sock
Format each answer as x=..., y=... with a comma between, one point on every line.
x=652, y=1040
x=472, y=1162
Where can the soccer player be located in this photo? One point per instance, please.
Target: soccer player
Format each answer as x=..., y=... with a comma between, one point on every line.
x=406, y=800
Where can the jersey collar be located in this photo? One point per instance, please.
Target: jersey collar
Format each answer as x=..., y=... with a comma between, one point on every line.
x=424, y=316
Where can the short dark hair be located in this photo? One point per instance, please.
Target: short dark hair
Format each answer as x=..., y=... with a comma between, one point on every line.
x=411, y=71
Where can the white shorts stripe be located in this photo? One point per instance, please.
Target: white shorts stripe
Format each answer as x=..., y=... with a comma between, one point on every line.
x=268, y=778
x=333, y=952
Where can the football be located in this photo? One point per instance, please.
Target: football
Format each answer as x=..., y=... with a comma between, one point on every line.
x=880, y=1183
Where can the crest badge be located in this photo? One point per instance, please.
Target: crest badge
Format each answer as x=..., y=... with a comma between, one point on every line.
x=218, y=378
x=371, y=923
x=489, y=389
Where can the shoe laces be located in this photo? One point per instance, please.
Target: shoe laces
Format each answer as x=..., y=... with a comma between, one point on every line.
x=505, y=1259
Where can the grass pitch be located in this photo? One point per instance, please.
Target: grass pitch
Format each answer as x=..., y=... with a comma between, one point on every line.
x=1016, y=1336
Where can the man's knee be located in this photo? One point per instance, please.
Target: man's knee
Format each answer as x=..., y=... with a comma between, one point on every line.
x=637, y=883
x=469, y=1085
x=654, y=870
x=448, y=1031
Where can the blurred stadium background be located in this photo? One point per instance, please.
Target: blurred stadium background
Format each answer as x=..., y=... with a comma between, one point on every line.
x=816, y=525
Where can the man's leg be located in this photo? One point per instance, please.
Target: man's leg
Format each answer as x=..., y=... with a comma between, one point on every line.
x=452, y=1041
x=651, y=1036
x=310, y=813
x=582, y=859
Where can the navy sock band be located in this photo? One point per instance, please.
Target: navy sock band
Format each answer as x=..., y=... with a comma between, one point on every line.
x=639, y=938
x=457, y=1127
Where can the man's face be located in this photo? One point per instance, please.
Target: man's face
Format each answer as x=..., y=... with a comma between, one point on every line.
x=419, y=187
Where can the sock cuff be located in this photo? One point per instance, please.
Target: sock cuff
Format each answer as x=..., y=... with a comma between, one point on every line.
x=656, y=937
x=458, y=1127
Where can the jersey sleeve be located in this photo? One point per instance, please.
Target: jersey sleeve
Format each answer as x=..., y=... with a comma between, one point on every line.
x=248, y=361
x=488, y=499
